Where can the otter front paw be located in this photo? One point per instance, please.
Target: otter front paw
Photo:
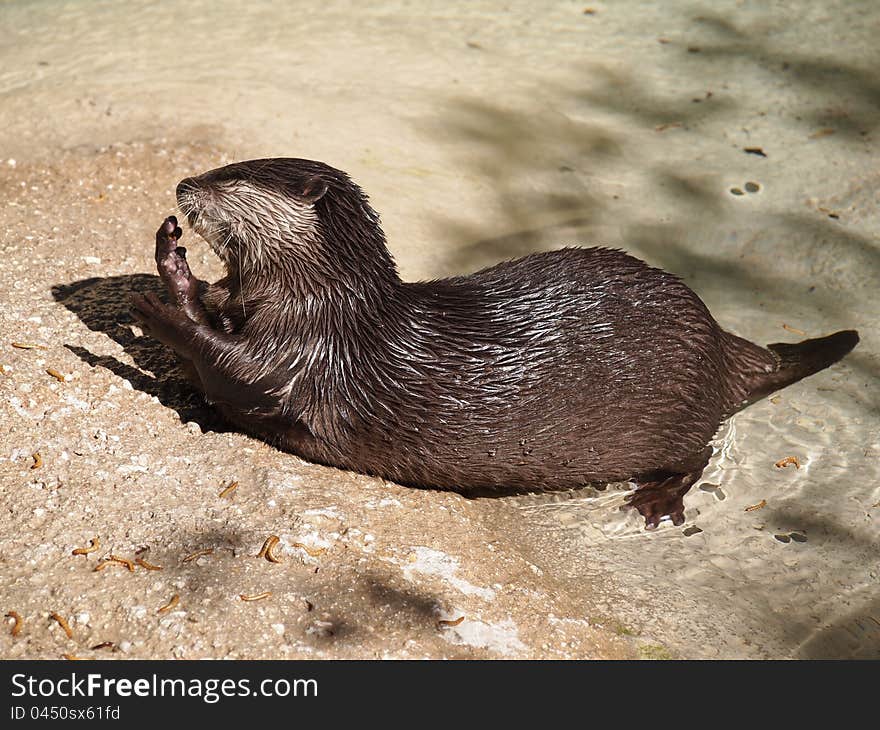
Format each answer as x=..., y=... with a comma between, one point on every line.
x=182, y=286
x=167, y=324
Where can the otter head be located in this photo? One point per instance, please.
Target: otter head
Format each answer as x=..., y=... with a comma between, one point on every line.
x=287, y=220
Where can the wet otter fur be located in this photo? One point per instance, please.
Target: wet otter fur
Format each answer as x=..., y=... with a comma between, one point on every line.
x=575, y=366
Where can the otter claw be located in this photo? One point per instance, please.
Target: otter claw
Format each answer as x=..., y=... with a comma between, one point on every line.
x=170, y=229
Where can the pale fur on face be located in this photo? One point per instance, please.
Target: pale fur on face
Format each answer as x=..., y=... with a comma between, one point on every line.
x=250, y=226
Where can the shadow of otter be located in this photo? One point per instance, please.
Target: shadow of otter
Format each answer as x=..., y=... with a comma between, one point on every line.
x=102, y=304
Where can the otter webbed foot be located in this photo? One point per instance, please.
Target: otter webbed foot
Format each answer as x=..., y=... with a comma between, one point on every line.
x=662, y=495
x=182, y=286
x=656, y=500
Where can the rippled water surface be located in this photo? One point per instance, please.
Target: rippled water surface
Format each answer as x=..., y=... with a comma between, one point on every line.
x=488, y=130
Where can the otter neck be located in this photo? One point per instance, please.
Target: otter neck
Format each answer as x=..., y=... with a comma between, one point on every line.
x=319, y=289
x=294, y=270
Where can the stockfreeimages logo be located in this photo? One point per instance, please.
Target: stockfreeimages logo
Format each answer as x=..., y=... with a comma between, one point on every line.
x=209, y=690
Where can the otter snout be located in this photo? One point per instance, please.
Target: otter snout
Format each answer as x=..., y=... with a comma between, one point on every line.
x=185, y=189
x=186, y=186
x=185, y=193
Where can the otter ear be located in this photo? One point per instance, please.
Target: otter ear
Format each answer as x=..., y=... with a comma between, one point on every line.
x=313, y=189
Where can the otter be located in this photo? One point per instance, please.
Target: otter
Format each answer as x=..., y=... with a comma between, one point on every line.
x=553, y=371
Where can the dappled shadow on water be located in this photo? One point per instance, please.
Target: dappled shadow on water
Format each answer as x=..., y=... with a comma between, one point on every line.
x=848, y=634
x=551, y=161
x=545, y=166
x=854, y=635
x=841, y=95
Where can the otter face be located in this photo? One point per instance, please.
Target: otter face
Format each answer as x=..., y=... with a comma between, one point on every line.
x=257, y=212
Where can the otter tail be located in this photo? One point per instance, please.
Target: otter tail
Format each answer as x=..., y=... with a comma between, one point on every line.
x=797, y=361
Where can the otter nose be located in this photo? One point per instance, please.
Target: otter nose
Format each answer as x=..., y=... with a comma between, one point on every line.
x=186, y=186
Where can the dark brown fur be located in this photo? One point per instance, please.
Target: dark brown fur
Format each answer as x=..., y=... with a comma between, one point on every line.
x=549, y=372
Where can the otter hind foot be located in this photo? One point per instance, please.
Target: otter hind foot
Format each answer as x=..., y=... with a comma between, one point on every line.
x=662, y=494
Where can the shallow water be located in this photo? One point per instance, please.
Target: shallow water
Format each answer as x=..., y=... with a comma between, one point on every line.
x=488, y=130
